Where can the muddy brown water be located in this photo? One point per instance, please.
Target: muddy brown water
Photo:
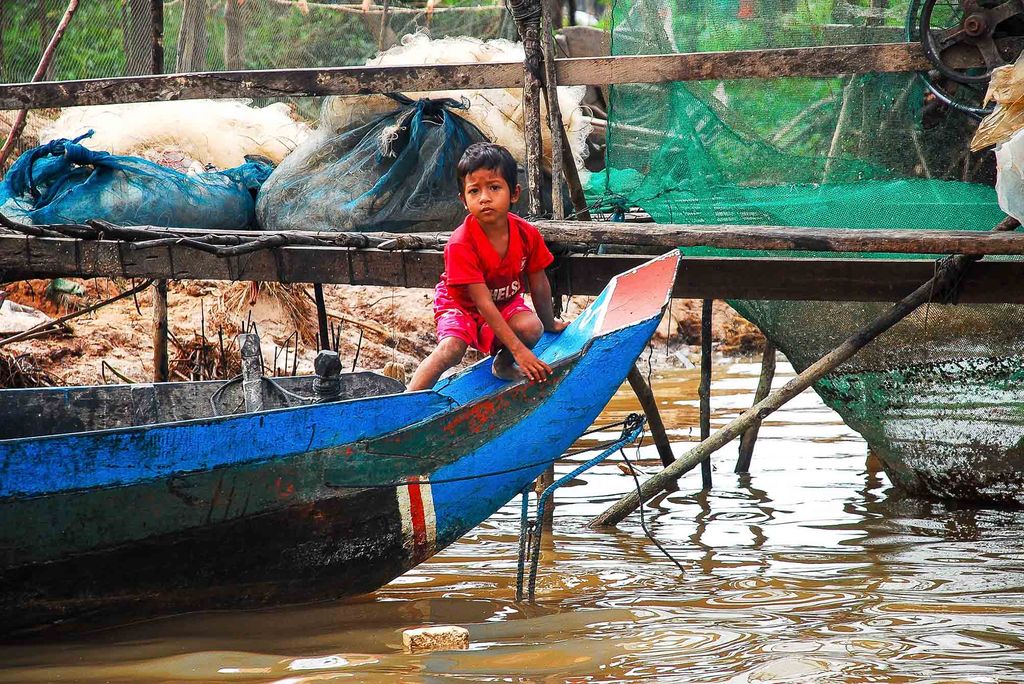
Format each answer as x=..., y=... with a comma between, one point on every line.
x=812, y=569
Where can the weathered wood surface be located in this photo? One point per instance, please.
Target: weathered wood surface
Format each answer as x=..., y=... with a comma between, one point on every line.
x=780, y=238
x=645, y=395
x=718, y=278
x=596, y=71
x=764, y=386
x=704, y=389
x=666, y=235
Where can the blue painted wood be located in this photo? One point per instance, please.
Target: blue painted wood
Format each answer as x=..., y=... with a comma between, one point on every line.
x=36, y=466
x=539, y=438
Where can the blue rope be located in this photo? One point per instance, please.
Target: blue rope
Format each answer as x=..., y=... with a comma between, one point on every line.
x=631, y=430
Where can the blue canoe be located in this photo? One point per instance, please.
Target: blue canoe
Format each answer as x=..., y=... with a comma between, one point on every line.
x=141, y=499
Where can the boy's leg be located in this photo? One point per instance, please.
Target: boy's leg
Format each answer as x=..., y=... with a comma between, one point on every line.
x=448, y=353
x=527, y=326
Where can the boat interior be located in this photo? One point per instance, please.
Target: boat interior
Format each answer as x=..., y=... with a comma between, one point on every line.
x=46, y=411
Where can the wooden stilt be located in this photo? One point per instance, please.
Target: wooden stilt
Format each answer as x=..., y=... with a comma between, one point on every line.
x=156, y=11
x=764, y=386
x=321, y=315
x=650, y=406
x=527, y=15
x=704, y=390
x=546, y=479
x=568, y=163
x=554, y=112
x=938, y=288
x=160, y=363
x=645, y=394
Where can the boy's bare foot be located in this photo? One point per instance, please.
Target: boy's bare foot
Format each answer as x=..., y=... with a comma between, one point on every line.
x=504, y=366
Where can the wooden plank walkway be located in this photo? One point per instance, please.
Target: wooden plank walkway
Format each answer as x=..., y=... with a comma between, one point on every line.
x=719, y=278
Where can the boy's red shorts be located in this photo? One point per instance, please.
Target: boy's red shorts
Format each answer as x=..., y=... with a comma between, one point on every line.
x=453, y=321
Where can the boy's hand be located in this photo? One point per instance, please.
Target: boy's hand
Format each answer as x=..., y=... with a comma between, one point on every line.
x=557, y=326
x=532, y=367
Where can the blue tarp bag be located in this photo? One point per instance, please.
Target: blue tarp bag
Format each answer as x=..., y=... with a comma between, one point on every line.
x=394, y=173
x=65, y=182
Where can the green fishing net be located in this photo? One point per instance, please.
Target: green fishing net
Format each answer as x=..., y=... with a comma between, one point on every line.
x=940, y=397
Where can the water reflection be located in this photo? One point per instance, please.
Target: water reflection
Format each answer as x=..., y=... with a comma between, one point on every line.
x=809, y=569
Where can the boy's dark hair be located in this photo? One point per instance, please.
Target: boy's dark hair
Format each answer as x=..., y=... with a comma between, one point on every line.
x=487, y=155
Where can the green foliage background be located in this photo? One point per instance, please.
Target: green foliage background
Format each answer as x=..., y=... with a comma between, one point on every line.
x=275, y=35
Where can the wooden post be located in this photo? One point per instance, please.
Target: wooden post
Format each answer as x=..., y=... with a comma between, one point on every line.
x=161, y=369
x=252, y=371
x=938, y=288
x=527, y=14
x=554, y=113
x=649, y=404
x=321, y=315
x=650, y=407
x=160, y=364
x=704, y=390
x=156, y=9
x=234, y=36
x=546, y=479
x=527, y=17
x=764, y=386
x=568, y=163
x=192, y=36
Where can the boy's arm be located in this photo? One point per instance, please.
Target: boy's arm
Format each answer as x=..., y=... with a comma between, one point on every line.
x=532, y=367
x=540, y=293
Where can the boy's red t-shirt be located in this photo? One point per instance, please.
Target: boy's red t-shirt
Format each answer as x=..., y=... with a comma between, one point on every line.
x=470, y=258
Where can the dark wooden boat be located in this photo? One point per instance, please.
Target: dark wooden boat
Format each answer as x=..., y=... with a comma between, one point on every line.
x=143, y=499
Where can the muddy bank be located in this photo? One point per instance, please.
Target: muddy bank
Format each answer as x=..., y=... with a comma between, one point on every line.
x=371, y=327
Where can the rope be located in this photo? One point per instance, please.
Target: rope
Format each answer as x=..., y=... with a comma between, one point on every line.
x=632, y=428
x=643, y=522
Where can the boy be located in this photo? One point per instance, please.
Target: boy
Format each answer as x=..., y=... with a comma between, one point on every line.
x=479, y=300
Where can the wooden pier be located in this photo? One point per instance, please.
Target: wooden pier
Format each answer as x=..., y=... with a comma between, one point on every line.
x=335, y=259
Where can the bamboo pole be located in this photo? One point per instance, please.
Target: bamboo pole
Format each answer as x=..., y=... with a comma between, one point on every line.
x=939, y=287
x=704, y=390
x=764, y=386
x=44, y=65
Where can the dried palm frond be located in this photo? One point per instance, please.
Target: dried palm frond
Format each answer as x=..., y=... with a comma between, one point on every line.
x=240, y=298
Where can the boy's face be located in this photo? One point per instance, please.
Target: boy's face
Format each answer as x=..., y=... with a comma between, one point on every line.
x=487, y=196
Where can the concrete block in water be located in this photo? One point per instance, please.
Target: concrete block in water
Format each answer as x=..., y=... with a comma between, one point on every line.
x=444, y=638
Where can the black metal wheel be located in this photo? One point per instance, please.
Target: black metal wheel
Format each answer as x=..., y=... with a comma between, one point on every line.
x=958, y=32
x=965, y=98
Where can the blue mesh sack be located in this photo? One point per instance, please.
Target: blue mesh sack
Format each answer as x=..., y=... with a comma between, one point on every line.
x=393, y=173
x=65, y=182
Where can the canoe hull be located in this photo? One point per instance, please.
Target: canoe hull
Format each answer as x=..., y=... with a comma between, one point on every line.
x=341, y=519
x=346, y=541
